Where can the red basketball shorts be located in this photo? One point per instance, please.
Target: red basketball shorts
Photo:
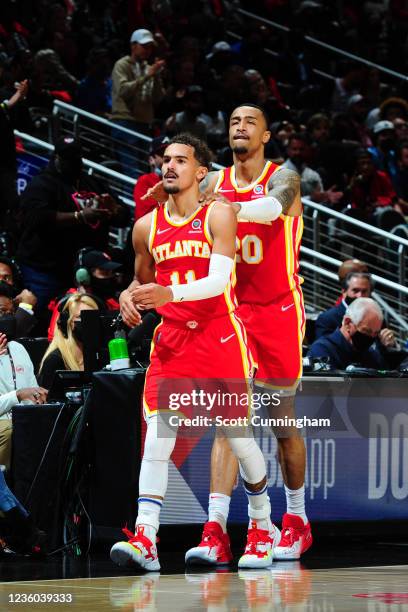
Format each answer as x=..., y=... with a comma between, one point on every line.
x=210, y=357
x=275, y=334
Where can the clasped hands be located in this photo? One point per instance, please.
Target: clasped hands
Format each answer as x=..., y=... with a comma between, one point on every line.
x=143, y=297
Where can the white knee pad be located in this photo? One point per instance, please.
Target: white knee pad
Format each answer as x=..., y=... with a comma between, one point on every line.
x=251, y=460
x=157, y=452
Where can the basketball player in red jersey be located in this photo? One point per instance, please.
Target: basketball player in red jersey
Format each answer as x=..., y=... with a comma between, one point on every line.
x=267, y=201
x=185, y=257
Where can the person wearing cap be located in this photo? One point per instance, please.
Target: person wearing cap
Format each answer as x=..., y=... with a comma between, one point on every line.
x=357, y=110
x=63, y=210
x=146, y=181
x=384, y=146
x=137, y=85
x=95, y=275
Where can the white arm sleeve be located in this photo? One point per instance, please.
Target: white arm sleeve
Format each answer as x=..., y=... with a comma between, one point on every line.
x=214, y=284
x=262, y=209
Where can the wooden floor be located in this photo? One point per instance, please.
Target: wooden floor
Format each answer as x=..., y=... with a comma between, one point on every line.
x=284, y=587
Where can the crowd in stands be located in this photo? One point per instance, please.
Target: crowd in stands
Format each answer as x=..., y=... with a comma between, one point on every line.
x=159, y=68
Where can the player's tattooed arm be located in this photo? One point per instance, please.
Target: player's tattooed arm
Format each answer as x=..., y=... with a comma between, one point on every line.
x=284, y=185
x=208, y=183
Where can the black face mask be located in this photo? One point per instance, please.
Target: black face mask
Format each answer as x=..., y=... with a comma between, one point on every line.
x=104, y=287
x=361, y=342
x=388, y=144
x=77, y=331
x=69, y=168
x=349, y=300
x=8, y=326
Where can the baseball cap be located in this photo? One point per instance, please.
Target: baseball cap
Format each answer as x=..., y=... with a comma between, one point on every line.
x=354, y=99
x=158, y=144
x=381, y=126
x=220, y=46
x=143, y=37
x=99, y=259
x=68, y=148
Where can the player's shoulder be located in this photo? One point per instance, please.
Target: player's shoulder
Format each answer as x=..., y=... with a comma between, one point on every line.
x=284, y=173
x=221, y=213
x=143, y=224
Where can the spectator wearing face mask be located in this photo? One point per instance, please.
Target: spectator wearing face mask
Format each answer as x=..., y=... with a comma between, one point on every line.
x=354, y=341
x=63, y=210
x=355, y=285
x=146, y=181
x=23, y=301
x=65, y=351
x=17, y=380
x=383, y=150
x=95, y=275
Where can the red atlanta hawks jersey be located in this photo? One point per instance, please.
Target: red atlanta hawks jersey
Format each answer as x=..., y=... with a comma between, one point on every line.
x=268, y=252
x=181, y=251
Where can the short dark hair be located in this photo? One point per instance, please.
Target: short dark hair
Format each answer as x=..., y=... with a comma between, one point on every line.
x=252, y=105
x=298, y=136
x=202, y=153
x=351, y=275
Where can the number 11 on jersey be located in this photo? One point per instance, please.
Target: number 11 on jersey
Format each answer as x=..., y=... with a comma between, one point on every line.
x=189, y=277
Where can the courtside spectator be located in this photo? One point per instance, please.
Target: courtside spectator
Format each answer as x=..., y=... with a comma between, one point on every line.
x=353, y=343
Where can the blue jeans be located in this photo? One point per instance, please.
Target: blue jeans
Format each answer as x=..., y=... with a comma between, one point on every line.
x=7, y=500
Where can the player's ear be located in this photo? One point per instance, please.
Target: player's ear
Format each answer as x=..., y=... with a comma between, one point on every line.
x=202, y=171
x=266, y=136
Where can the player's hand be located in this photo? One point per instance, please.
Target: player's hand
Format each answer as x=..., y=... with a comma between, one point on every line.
x=130, y=315
x=37, y=395
x=207, y=197
x=156, y=192
x=387, y=338
x=151, y=295
x=3, y=344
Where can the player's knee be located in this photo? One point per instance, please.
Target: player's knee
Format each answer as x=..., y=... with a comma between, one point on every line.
x=158, y=448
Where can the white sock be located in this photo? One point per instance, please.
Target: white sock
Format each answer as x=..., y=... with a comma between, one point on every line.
x=218, y=509
x=148, y=516
x=295, y=502
x=259, y=509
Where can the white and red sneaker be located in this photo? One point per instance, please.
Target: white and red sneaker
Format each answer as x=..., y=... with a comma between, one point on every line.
x=138, y=550
x=214, y=548
x=260, y=548
x=296, y=538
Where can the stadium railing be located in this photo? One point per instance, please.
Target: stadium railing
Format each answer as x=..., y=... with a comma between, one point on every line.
x=101, y=139
x=321, y=290
x=321, y=248
x=323, y=45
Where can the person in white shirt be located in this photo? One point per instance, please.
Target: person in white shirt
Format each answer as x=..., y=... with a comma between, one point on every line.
x=18, y=385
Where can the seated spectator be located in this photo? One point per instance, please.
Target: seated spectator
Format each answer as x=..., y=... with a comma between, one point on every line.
x=354, y=286
x=17, y=528
x=65, y=351
x=63, y=210
x=369, y=187
x=357, y=109
x=383, y=149
x=17, y=384
x=298, y=152
x=354, y=341
x=23, y=300
x=94, y=93
x=95, y=275
x=146, y=181
x=401, y=130
x=347, y=267
x=189, y=119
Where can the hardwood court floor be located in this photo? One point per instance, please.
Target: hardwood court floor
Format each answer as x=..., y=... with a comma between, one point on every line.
x=284, y=587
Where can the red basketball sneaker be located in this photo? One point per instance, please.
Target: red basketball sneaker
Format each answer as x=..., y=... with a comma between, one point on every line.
x=214, y=548
x=260, y=547
x=138, y=550
x=296, y=538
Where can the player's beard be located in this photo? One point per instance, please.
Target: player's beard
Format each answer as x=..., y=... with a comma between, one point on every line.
x=170, y=189
x=240, y=150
